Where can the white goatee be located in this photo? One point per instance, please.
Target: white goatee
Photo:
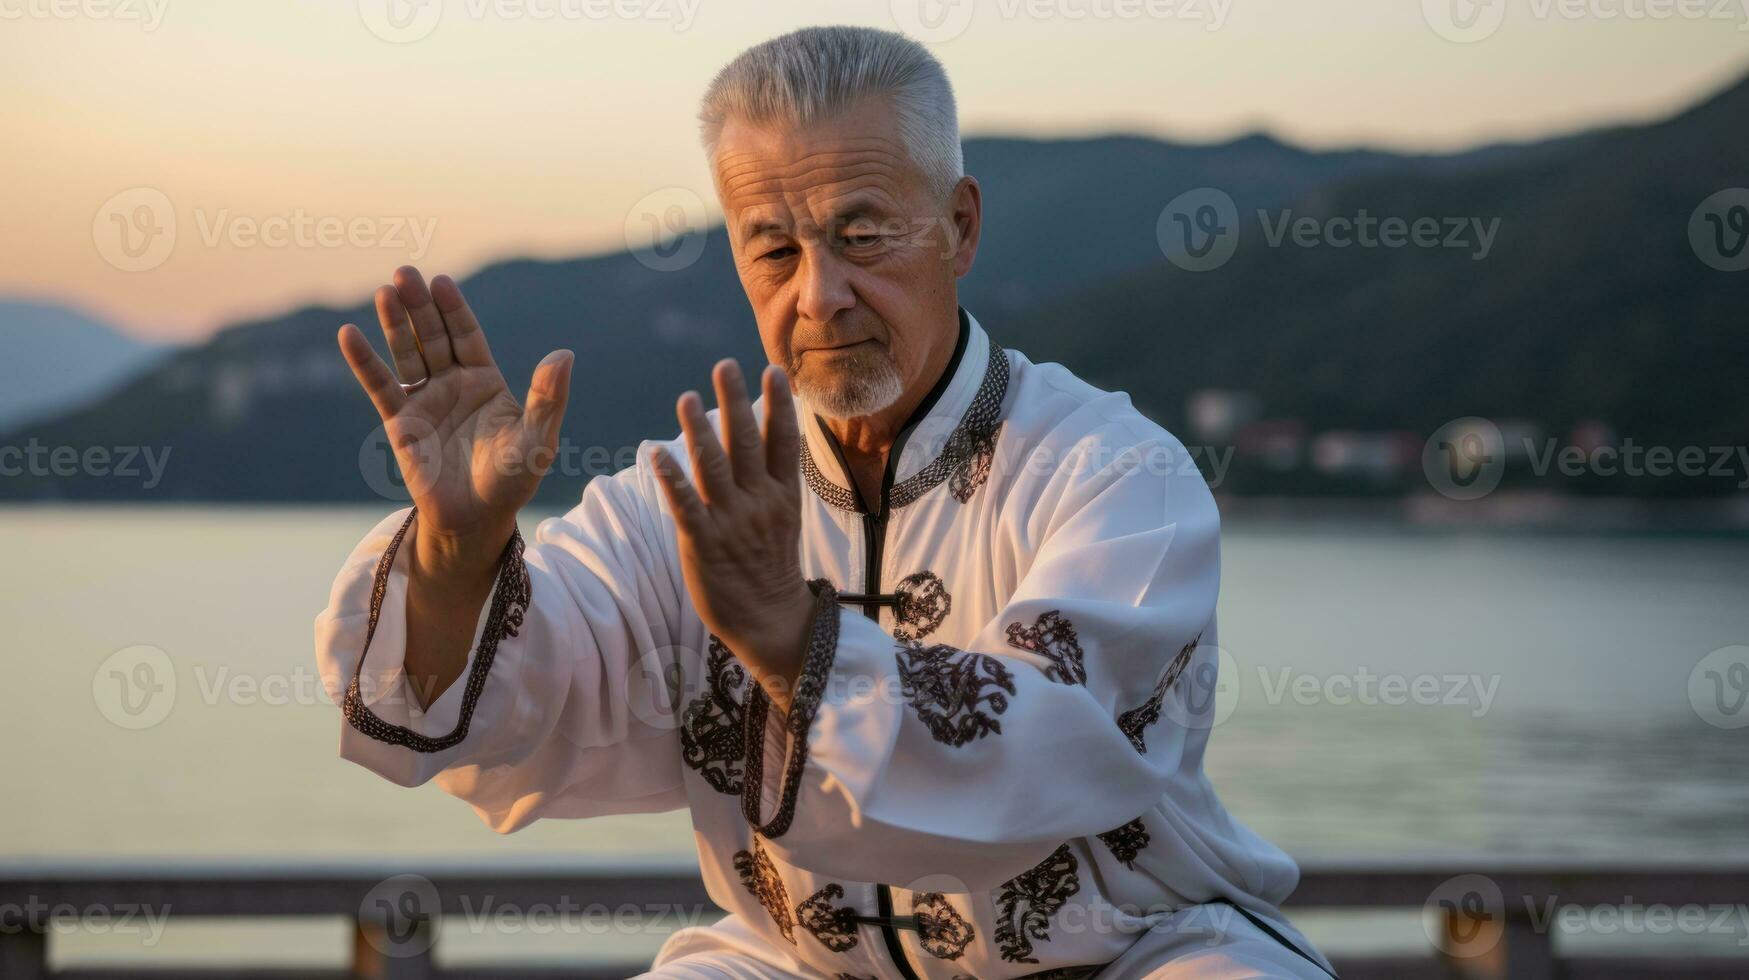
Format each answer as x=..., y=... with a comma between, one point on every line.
x=867, y=384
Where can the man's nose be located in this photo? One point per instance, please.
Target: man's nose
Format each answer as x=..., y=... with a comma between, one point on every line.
x=824, y=290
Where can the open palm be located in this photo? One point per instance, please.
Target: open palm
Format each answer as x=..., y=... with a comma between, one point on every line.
x=471, y=454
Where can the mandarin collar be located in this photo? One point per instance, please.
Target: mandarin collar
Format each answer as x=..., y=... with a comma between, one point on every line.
x=964, y=403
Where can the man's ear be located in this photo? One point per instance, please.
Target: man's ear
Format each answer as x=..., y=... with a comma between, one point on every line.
x=966, y=211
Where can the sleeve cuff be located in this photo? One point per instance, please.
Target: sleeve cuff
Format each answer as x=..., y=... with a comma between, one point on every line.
x=783, y=778
x=510, y=598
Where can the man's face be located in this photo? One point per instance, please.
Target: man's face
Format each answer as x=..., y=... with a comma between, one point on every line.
x=848, y=257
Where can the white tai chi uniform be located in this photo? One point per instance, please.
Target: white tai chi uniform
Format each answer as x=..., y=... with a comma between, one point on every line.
x=992, y=767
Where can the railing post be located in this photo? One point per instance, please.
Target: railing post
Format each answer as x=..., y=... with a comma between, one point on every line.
x=1496, y=945
x=1530, y=952
x=24, y=953
x=396, y=950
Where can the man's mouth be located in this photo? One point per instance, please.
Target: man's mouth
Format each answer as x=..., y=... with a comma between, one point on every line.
x=838, y=347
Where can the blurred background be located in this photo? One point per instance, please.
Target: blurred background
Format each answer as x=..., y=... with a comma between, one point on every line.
x=1448, y=299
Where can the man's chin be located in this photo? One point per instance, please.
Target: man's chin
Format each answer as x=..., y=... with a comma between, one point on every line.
x=848, y=394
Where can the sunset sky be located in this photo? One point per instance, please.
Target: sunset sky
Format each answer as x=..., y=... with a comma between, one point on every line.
x=536, y=127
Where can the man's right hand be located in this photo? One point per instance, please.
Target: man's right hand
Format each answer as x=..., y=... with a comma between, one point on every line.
x=472, y=455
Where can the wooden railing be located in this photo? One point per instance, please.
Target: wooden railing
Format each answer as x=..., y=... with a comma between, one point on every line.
x=1496, y=920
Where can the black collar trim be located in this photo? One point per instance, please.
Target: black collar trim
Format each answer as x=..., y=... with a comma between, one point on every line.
x=976, y=429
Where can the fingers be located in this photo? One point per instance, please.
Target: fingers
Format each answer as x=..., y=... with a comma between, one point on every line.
x=398, y=331
x=689, y=510
x=716, y=481
x=427, y=322
x=373, y=375
x=740, y=431
x=783, y=436
x=466, y=338
x=548, y=391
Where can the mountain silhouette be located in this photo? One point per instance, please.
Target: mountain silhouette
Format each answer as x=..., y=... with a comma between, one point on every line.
x=1590, y=305
x=57, y=357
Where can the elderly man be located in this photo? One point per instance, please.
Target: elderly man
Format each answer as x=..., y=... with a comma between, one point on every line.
x=929, y=610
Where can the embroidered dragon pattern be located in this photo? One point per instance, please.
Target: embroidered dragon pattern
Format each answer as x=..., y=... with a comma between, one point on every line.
x=923, y=605
x=712, y=740
x=833, y=925
x=944, y=933
x=1053, y=637
x=1134, y=722
x=759, y=876
x=950, y=689
x=1028, y=900
x=1127, y=842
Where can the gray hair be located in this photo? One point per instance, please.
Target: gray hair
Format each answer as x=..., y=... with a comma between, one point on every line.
x=817, y=72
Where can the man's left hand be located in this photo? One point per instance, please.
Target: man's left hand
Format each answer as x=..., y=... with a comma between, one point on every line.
x=739, y=528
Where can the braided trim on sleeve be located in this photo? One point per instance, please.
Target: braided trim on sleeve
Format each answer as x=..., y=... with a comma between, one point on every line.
x=510, y=598
x=810, y=689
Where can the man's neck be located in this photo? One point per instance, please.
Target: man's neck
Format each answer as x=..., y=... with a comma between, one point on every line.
x=867, y=439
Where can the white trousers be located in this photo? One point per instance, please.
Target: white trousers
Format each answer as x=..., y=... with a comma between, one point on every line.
x=1182, y=947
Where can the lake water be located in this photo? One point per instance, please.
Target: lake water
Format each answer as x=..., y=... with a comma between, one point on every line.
x=1558, y=667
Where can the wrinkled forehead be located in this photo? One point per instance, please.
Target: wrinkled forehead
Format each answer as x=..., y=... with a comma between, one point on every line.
x=809, y=176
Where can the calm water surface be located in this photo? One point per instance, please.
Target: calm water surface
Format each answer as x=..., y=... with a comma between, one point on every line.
x=1558, y=666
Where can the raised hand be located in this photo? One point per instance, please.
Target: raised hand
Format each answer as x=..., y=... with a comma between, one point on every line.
x=739, y=528
x=472, y=457
x=471, y=454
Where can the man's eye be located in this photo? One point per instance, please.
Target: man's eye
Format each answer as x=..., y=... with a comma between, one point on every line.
x=862, y=240
x=778, y=254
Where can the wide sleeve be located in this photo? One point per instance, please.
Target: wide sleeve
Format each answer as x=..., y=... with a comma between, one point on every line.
x=1062, y=719
x=558, y=710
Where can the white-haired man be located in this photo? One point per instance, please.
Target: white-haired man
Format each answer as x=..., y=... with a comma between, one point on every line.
x=931, y=620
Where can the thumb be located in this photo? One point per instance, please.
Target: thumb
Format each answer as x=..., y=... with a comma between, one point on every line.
x=548, y=391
